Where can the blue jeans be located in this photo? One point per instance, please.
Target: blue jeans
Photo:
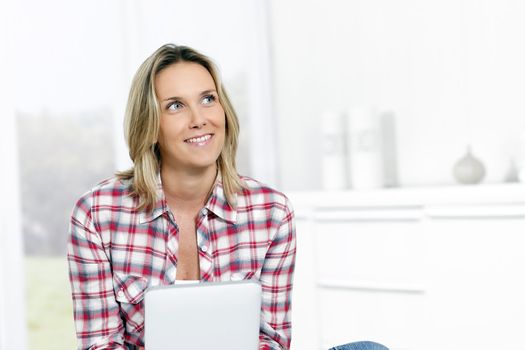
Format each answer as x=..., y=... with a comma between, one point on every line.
x=361, y=345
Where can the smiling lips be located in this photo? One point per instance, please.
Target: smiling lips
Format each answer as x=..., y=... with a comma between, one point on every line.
x=199, y=140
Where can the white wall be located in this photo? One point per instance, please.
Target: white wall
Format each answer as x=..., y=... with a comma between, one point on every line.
x=452, y=71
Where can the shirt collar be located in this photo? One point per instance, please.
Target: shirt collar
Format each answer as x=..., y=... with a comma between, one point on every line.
x=160, y=207
x=217, y=203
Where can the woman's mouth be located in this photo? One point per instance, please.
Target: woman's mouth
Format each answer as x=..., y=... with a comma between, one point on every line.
x=201, y=140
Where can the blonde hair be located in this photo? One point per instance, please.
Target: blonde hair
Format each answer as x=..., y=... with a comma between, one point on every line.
x=142, y=123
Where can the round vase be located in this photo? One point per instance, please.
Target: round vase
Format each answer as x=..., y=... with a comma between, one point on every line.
x=469, y=169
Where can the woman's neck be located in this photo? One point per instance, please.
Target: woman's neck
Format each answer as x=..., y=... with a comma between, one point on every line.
x=187, y=190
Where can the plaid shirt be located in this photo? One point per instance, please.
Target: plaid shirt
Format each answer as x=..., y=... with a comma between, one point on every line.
x=116, y=251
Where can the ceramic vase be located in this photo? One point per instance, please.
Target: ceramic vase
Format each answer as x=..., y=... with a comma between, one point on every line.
x=469, y=169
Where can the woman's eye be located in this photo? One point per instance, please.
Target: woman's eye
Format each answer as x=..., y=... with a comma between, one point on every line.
x=174, y=106
x=208, y=99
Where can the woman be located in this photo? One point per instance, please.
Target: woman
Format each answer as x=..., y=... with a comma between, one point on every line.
x=180, y=213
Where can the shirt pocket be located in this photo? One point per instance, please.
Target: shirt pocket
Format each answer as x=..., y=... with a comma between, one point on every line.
x=129, y=293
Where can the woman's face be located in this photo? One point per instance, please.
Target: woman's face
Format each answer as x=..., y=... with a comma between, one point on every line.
x=192, y=121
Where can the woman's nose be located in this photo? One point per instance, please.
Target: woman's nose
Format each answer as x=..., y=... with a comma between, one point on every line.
x=198, y=120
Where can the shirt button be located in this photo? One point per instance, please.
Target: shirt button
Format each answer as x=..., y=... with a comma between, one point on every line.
x=236, y=277
x=204, y=211
x=120, y=294
x=204, y=249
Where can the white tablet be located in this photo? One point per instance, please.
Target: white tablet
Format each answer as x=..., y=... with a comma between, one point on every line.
x=208, y=315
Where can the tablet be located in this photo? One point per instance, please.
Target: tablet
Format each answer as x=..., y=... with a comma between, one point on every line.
x=207, y=315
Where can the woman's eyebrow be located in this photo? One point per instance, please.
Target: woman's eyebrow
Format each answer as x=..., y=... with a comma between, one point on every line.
x=205, y=92
x=177, y=98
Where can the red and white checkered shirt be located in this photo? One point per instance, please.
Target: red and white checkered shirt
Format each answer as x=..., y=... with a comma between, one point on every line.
x=116, y=251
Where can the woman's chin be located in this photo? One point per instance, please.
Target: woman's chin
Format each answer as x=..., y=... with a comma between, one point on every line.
x=201, y=167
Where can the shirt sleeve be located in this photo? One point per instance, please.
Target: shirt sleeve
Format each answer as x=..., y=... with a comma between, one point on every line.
x=276, y=281
x=96, y=311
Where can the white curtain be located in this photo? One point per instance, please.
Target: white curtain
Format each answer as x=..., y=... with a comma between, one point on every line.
x=12, y=293
x=263, y=145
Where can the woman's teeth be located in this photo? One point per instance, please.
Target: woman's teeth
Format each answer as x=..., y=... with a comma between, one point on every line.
x=199, y=139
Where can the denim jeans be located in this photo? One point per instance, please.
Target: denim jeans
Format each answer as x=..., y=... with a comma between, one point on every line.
x=361, y=345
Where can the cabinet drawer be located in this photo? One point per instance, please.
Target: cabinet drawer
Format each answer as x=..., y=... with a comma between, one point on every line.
x=394, y=319
x=389, y=254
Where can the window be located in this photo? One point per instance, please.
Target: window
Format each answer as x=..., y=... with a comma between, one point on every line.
x=73, y=71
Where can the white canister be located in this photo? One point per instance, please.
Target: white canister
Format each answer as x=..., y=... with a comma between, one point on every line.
x=520, y=157
x=333, y=156
x=364, y=148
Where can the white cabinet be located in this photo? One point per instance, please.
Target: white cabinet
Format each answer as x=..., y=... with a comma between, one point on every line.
x=411, y=268
x=476, y=289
